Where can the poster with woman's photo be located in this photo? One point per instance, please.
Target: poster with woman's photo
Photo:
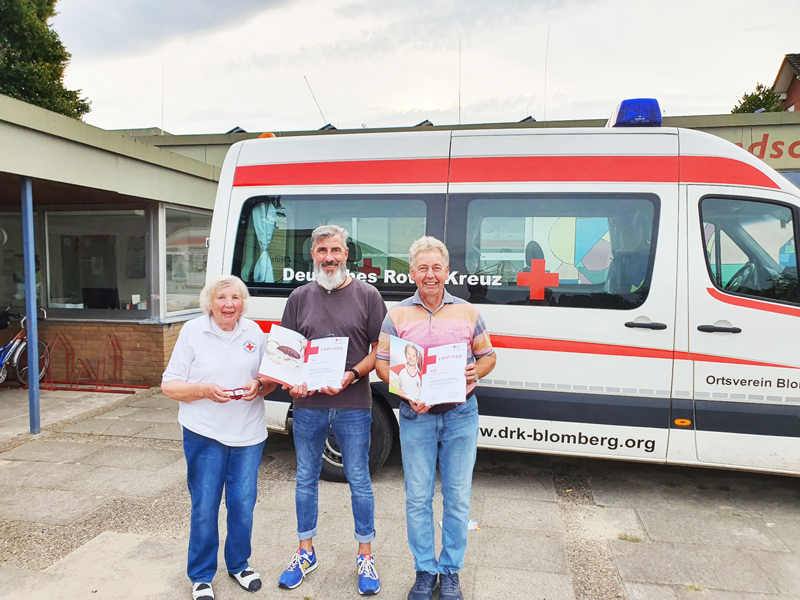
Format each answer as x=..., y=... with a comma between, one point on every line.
x=291, y=359
x=432, y=376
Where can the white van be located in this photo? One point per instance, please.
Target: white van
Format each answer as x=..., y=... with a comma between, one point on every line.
x=639, y=285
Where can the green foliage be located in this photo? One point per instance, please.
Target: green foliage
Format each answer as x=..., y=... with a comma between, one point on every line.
x=763, y=97
x=33, y=59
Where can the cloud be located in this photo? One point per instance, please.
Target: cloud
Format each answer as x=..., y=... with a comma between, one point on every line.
x=111, y=27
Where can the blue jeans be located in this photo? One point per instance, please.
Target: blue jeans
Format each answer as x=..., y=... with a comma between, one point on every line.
x=210, y=467
x=352, y=429
x=452, y=438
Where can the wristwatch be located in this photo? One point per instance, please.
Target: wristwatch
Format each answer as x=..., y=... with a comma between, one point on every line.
x=356, y=376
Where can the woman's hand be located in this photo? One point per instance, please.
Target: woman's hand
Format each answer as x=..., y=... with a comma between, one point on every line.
x=250, y=391
x=215, y=393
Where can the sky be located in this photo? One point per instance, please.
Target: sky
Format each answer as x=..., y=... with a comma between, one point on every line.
x=206, y=66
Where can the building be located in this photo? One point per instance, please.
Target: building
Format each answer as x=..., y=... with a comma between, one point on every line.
x=787, y=82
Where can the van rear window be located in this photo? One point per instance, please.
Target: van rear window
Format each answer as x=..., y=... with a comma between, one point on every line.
x=590, y=251
x=273, y=244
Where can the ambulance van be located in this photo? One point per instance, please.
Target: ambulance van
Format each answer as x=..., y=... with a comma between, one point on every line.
x=639, y=284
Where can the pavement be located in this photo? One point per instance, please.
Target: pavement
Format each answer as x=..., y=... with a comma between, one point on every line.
x=96, y=507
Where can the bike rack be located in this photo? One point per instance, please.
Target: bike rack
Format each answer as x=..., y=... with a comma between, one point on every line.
x=60, y=341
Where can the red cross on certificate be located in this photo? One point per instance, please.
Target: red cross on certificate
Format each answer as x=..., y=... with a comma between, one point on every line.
x=537, y=279
x=249, y=346
x=368, y=268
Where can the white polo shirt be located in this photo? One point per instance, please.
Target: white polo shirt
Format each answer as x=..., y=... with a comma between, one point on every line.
x=202, y=355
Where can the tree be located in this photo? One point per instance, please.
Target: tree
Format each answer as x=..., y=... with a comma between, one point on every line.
x=33, y=59
x=763, y=97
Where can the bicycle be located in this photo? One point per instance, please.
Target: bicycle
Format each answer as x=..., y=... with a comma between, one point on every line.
x=14, y=354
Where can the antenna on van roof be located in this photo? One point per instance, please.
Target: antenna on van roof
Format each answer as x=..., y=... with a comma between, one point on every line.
x=324, y=120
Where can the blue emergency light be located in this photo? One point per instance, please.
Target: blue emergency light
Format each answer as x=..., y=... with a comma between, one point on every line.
x=636, y=112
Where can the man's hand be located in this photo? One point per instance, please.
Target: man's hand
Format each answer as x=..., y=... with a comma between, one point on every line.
x=216, y=393
x=299, y=391
x=471, y=373
x=419, y=407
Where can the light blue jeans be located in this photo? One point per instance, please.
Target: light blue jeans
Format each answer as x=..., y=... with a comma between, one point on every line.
x=352, y=428
x=210, y=467
x=452, y=439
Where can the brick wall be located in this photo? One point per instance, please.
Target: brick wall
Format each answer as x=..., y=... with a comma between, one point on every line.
x=145, y=349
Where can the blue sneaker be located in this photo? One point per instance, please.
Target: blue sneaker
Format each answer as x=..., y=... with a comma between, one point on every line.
x=301, y=564
x=424, y=586
x=368, y=582
x=450, y=588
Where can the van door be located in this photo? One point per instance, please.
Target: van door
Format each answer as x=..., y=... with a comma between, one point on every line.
x=576, y=284
x=744, y=323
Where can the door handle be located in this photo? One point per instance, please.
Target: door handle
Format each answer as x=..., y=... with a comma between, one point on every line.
x=635, y=325
x=715, y=329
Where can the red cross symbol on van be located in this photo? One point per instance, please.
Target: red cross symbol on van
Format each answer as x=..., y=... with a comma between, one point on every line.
x=537, y=279
x=368, y=268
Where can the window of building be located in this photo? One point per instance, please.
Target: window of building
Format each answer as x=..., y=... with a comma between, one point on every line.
x=273, y=246
x=186, y=257
x=98, y=260
x=750, y=248
x=601, y=248
x=12, y=267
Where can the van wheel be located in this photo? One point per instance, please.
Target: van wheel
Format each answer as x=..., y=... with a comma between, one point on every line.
x=381, y=437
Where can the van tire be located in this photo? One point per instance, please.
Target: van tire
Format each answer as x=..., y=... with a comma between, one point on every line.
x=381, y=438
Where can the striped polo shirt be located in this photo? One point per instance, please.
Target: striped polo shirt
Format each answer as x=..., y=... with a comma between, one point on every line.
x=455, y=321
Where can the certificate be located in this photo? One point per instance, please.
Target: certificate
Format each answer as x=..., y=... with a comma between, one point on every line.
x=291, y=359
x=431, y=376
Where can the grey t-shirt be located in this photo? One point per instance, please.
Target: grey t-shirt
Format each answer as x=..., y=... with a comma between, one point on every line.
x=355, y=311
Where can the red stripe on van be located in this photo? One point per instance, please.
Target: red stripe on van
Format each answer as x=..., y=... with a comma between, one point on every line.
x=565, y=168
x=754, y=304
x=546, y=345
x=346, y=172
x=715, y=169
x=632, y=169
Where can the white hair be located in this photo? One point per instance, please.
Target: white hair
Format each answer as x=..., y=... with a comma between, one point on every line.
x=427, y=243
x=325, y=231
x=220, y=282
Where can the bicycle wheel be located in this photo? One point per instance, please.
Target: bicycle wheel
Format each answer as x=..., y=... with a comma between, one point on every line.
x=22, y=362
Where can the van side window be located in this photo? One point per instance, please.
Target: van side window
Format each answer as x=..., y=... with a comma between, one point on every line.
x=600, y=247
x=273, y=242
x=750, y=248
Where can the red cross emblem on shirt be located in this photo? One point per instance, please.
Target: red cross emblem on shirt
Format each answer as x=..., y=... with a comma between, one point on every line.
x=249, y=346
x=537, y=279
x=368, y=268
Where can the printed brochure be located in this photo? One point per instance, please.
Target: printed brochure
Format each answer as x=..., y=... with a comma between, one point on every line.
x=291, y=359
x=432, y=376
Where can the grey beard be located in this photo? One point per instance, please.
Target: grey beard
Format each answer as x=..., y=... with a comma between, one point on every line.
x=330, y=282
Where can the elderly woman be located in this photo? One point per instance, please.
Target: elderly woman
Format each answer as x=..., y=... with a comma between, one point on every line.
x=213, y=373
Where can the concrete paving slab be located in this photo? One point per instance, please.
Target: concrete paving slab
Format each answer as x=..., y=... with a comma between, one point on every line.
x=773, y=502
x=154, y=415
x=161, y=431
x=610, y=522
x=119, y=413
x=711, y=529
x=529, y=487
x=41, y=474
x=102, y=426
x=124, y=482
x=52, y=451
x=146, y=459
x=54, y=507
x=686, y=564
x=783, y=569
x=656, y=493
x=531, y=552
x=491, y=584
x=788, y=530
x=690, y=593
x=157, y=400
x=119, y=563
x=528, y=515
x=53, y=405
x=646, y=591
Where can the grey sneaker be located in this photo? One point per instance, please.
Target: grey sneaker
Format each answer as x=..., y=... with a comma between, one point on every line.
x=424, y=586
x=450, y=590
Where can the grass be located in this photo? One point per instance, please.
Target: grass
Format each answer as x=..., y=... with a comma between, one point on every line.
x=626, y=537
x=693, y=588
